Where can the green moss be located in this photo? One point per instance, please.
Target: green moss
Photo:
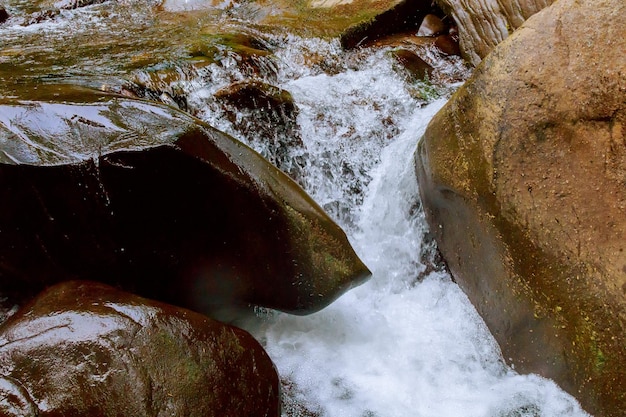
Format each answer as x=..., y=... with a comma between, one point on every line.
x=425, y=91
x=324, y=21
x=600, y=359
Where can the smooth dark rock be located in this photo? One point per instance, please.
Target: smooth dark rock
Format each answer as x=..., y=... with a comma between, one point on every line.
x=4, y=15
x=143, y=196
x=448, y=44
x=416, y=66
x=84, y=349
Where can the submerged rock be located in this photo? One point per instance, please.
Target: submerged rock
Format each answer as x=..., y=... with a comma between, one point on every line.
x=146, y=197
x=523, y=179
x=249, y=50
x=85, y=349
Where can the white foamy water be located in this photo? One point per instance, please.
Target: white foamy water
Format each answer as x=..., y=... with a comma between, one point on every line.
x=407, y=343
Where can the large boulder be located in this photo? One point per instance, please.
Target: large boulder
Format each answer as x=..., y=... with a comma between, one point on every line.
x=485, y=23
x=85, y=349
x=523, y=177
x=146, y=197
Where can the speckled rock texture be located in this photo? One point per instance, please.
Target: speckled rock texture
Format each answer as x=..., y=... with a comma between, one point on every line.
x=523, y=177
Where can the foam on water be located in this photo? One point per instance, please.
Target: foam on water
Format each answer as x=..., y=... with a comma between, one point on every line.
x=408, y=342
x=397, y=346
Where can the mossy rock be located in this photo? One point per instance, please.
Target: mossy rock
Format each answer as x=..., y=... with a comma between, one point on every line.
x=522, y=175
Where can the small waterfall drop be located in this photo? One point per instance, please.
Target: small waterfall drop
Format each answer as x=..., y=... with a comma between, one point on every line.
x=408, y=342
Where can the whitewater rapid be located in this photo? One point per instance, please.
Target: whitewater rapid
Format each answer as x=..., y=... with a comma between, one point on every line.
x=408, y=342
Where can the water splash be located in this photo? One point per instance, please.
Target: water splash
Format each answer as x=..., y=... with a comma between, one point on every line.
x=409, y=342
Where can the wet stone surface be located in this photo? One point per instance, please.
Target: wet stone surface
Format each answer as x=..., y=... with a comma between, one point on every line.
x=144, y=196
x=84, y=349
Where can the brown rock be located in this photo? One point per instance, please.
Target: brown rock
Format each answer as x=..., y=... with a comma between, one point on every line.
x=75, y=4
x=448, y=44
x=403, y=16
x=257, y=95
x=432, y=25
x=416, y=66
x=523, y=178
x=84, y=349
x=146, y=197
x=482, y=24
x=41, y=16
x=250, y=52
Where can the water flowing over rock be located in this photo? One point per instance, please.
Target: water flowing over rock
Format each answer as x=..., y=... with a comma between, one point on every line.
x=523, y=177
x=144, y=196
x=268, y=114
x=85, y=349
x=485, y=23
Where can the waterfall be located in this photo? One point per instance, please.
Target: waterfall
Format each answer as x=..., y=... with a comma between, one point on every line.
x=408, y=342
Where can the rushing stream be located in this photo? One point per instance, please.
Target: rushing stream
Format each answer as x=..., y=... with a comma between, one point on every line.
x=408, y=342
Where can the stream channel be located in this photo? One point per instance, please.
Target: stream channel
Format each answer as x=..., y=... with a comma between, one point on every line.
x=406, y=343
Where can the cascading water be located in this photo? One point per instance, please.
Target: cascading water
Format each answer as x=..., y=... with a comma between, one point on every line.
x=408, y=342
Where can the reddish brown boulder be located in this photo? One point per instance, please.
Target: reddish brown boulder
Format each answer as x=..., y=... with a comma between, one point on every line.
x=84, y=349
x=523, y=179
x=146, y=197
x=448, y=44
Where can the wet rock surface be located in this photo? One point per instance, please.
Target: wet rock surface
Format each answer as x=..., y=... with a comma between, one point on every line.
x=483, y=24
x=431, y=25
x=522, y=176
x=146, y=197
x=269, y=114
x=85, y=349
x=405, y=15
x=416, y=66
